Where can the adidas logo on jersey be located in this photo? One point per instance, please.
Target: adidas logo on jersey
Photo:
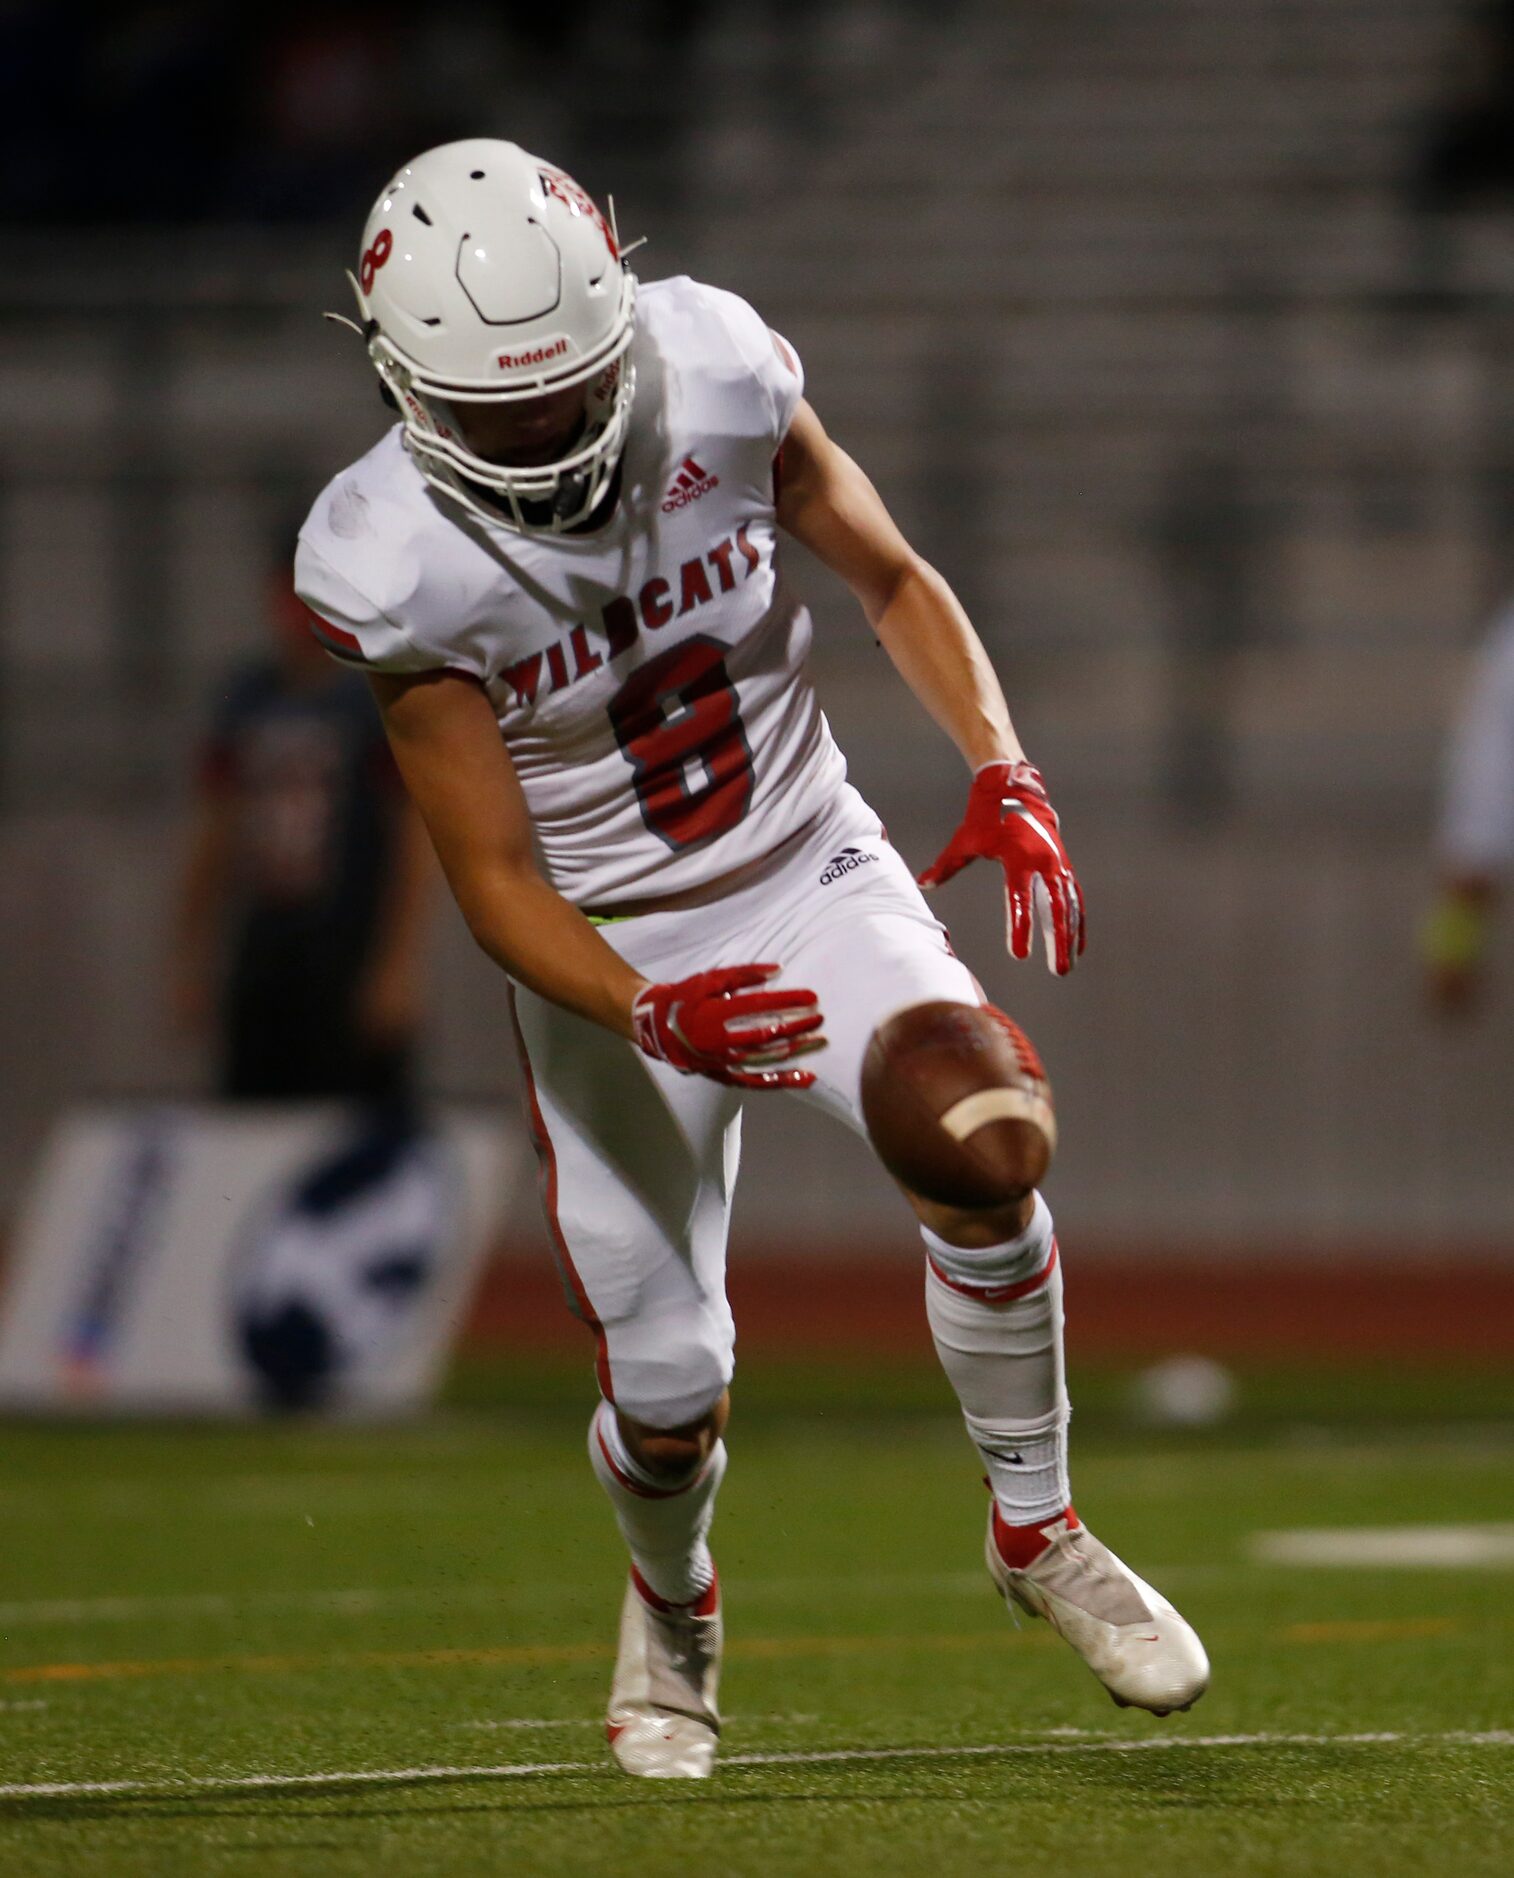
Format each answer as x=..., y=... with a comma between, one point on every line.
x=844, y=862
x=689, y=485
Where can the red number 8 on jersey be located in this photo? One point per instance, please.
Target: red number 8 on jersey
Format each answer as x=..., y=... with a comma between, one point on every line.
x=676, y=720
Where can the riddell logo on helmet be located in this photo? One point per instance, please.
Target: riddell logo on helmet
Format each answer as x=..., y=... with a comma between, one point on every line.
x=512, y=361
x=689, y=485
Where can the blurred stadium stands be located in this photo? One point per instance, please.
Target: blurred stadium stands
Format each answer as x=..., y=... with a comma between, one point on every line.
x=1125, y=305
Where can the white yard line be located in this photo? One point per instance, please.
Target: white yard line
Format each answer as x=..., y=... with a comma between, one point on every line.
x=1496, y=1738
x=354, y=1602
x=598, y=1721
x=821, y=1757
x=1488, y=1546
x=359, y=1601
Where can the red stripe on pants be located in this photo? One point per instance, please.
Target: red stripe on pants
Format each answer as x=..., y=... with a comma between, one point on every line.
x=547, y=1162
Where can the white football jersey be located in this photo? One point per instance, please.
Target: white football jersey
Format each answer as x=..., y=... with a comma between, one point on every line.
x=648, y=676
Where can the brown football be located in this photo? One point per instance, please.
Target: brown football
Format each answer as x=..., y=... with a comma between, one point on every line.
x=958, y=1105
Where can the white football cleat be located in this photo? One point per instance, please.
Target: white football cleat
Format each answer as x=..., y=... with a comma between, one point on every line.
x=663, y=1722
x=1143, y=1652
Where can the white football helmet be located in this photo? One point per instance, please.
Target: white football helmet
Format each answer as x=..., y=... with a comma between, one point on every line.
x=488, y=276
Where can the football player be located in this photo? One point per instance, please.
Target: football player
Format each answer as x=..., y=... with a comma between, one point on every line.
x=560, y=569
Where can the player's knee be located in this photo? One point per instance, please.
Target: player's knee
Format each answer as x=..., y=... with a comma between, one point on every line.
x=674, y=1453
x=975, y=1226
x=1005, y=1253
x=670, y=1368
x=959, y=1110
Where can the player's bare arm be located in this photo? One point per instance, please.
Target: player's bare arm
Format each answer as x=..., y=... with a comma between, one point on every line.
x=460, y=776
x=446, y=742
x=826, y=502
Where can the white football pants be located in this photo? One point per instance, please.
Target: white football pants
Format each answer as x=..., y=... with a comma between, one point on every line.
x=638, y=1162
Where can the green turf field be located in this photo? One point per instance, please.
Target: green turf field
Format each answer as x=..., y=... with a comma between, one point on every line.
x=209, y=1616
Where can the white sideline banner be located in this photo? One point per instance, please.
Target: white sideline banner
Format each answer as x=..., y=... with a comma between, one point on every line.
x=230, y=1260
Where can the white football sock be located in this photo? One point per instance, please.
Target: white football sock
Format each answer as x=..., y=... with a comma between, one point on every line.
x=996, y=1316
x=665, y=1525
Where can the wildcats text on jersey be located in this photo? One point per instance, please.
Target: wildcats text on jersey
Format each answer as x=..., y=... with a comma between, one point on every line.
x=623, y=619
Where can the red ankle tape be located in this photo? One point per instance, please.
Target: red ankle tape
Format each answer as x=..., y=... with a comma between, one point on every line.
x=1020, y=1546
x=705, y=1605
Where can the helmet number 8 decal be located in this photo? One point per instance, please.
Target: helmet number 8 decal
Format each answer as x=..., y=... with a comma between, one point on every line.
x=677, y=722
x=375, y=257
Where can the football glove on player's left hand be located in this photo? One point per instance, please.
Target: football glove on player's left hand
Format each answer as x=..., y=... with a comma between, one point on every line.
x=1010, y=820
x=717, y=1024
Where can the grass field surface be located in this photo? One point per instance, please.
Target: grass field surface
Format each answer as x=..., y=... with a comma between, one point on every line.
x=345, y=1650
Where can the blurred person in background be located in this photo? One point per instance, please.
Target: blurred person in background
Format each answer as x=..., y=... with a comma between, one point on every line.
x=1474, y=845
x=300, y=915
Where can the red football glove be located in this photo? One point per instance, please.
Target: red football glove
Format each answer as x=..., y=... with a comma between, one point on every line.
x=712, y=1025
x=1010, y=820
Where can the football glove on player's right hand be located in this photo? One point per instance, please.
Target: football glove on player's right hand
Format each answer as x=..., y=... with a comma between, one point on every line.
x=715, y=1025
x=1010, y=820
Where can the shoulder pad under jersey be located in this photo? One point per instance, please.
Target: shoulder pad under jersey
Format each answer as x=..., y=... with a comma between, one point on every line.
x=363, y=569
x=725, y=338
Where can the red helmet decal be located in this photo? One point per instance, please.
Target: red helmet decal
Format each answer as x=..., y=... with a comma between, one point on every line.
x=375, y=257
x=558, y=183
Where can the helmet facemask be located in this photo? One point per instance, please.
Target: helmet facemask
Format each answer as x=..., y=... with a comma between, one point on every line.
x=548, y=498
